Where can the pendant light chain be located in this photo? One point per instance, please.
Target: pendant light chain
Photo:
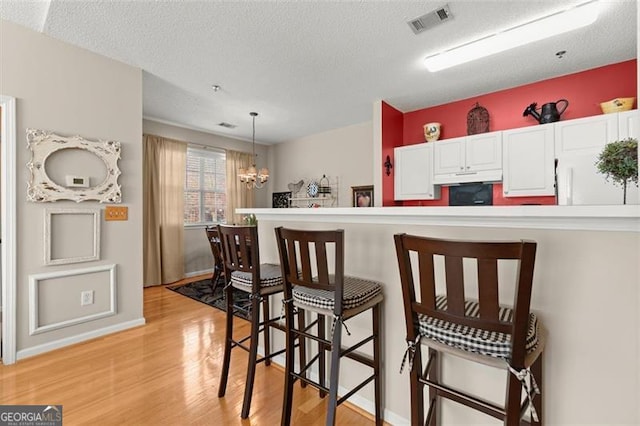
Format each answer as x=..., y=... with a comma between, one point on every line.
x=253, y=177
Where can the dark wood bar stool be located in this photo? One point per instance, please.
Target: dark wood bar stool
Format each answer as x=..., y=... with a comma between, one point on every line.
x=243, y=271
x=218, y=268
x=311, y=285
x=482, y=330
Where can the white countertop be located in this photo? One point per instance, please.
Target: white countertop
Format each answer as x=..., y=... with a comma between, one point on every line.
x=596, y=218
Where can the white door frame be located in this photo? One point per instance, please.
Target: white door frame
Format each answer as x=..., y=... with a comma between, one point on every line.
x=8, y=232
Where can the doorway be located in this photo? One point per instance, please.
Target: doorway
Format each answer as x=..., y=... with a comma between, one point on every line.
x=8, y=226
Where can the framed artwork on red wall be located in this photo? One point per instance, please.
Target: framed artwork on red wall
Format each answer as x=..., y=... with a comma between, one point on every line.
x=362, y=196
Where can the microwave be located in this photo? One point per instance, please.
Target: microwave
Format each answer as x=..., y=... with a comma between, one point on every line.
x=471, y=194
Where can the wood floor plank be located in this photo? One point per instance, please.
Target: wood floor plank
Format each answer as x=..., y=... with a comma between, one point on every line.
x=165, y=372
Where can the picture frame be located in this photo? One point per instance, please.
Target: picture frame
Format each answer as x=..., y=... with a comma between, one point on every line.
x=42, y=189
x=280, y=200
x=87, y=225
x=362, y=196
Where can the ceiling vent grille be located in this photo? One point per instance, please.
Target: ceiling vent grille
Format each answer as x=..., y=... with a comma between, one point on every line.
x=430, y=20
x=227, y=125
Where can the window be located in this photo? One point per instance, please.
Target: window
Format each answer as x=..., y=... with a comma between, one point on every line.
x=205, y=197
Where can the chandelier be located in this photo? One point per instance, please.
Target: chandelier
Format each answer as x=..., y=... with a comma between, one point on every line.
x=251, y=176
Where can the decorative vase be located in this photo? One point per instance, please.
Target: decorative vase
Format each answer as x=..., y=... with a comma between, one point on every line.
x=432, y=131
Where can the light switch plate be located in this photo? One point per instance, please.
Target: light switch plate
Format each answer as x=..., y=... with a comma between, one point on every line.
x=116, y=213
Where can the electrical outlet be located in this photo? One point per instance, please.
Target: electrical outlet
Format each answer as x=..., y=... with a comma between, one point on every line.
x=86, y=298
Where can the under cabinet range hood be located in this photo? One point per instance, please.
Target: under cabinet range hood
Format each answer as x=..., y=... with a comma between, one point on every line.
x=494, y=175
x=471, y=194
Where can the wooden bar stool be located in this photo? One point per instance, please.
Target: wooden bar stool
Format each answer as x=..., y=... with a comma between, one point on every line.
x=482, y=330
x=218, y=268
x=311, y=285
x=242, y=269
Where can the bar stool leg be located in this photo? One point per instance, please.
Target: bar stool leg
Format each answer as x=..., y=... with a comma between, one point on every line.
x=227, y=343
x=336, y=343
x=289, y=380
x=253, y=356
x=512, y=406
x=434, y=374
x=322, y=363
x=266, y=315
x=417, y=389
x=302, y=346
x=377, y=350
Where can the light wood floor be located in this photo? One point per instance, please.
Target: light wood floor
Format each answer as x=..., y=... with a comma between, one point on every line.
x=165, y=372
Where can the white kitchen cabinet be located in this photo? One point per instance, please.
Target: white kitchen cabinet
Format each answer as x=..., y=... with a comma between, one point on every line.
x=449, y=156
x=629, y=124
x=629, y=127
x=578, y=144
x=528, y=161
x=473, y=158
x=584, y=135
x=413, y=173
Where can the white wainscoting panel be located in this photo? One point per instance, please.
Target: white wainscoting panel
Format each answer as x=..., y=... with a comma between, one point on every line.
x=35, y=280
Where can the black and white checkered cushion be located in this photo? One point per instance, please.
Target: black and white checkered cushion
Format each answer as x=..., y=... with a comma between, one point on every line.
x=356, y=292
x=472, y=339
x=270, y=275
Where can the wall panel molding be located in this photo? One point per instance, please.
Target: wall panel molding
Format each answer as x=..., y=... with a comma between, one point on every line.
x=34, y=304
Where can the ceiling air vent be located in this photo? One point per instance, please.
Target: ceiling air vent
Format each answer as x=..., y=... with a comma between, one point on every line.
x=430, y=20
x=227, y=125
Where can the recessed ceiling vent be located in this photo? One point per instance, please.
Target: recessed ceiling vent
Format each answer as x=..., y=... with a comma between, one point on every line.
x=430, y=20
x=227, y=125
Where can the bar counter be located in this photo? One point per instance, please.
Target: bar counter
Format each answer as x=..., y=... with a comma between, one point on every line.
x=586, y=292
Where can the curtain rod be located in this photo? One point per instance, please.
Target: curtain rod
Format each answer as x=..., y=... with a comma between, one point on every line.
x=211, y=148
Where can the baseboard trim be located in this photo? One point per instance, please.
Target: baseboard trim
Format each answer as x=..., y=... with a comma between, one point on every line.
x=57, y=344
x=196, y=273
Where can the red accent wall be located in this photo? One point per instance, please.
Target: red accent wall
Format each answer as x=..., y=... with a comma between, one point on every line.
x=584, y=91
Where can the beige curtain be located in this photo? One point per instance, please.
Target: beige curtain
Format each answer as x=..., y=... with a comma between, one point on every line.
x=238, y=196
x=163, y=209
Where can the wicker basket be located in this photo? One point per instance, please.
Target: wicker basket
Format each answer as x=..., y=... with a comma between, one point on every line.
x=617, y=105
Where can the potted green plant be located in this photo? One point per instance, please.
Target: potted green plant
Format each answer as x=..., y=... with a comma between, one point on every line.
x=619, y=162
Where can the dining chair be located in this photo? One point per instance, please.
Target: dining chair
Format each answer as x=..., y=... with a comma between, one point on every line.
x=315, y=282
x=454, y=309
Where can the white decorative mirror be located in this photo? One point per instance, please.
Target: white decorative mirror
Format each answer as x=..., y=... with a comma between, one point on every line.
x=41, y=188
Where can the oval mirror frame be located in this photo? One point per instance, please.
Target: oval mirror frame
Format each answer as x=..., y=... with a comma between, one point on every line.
x=41, y=189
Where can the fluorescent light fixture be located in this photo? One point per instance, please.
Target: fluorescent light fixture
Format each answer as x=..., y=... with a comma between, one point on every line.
x=549, y=26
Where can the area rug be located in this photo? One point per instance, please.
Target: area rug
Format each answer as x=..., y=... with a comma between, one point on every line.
x=202, y=292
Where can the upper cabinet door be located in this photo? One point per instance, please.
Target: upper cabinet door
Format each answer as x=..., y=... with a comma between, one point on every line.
x=528, y=156
x=585, y=134
x=484, y=152
x=413, y=173
x=629, y=124
x=449, y=156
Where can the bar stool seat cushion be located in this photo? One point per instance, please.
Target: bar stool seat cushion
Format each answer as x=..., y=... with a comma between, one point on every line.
x=270, y=276
x=356, y=292
x=493, y=344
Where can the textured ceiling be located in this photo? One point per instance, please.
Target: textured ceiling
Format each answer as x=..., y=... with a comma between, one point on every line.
x=311, y=66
